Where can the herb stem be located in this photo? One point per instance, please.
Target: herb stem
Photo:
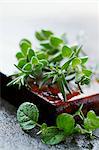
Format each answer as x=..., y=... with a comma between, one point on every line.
x=71, y=79
x=95, y=136
x=79, y=87
x=38, y=124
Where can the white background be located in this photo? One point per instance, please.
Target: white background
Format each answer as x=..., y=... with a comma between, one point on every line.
x=21, y=19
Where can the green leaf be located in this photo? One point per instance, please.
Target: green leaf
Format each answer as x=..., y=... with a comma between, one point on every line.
x=34, y=60
x=76, y=61
x=24, y=45
x=66, y=51
x=65, y=122
x=44, y=62
x=87, y=72
x=55, y=78
x=19, y=55
x=43, y=35
x=66, y=64
x=62, y=88
x=92, y=121
x=52, y=136
x=55, y=42
x=15, y=81
x=84, y=59
x=27, y=67
x=41, y=55
x=30, y=53
x=39, y=36
x=85, y=80
x=46, y=45
x=22, y=62
x=52, y=51
x=56, y=58
x=65, y=83
x=46, y=33
x=27, y=115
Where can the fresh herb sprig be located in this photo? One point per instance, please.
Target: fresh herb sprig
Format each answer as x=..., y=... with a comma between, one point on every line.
x=66, y=125
x=55, y=62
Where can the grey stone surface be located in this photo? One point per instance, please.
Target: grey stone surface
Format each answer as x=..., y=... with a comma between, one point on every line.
x=13, y=138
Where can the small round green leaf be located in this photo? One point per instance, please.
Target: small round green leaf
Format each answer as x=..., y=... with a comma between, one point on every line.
x=92, y=121
x=27, y=67
x=84, y=59
x=87, y=72
x=76, y=61
x=34, y=60
x=55, y=42
x=39, y=36
x=65, y=122
x=24, y=45
x=46, y=33
x=52, y=136
x=19, y=55
x=22, y=62
x=66, y=51
x=27, y=115
x=44, y=62
x=91, y=114
x=85, y=80
x=41, y=55
x=30, y=53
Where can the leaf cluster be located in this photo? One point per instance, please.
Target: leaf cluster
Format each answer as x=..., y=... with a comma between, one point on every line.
x=28, y=114
x=54, y=61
